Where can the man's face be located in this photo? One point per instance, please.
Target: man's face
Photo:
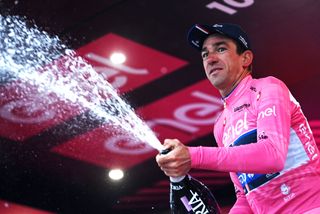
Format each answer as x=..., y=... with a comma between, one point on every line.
x=222, y=64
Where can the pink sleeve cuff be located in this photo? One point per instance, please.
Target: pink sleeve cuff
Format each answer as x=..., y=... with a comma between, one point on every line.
x=195, y=154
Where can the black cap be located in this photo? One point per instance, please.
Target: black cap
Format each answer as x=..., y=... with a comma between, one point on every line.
x=199, y=32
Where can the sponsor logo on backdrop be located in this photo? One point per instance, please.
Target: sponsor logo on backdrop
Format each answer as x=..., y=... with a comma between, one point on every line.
x=142, y=64
x=186, y=115
x=123, y=144
x=229, y=7
x=189, y=116
x=26, y=112
x=110, y=70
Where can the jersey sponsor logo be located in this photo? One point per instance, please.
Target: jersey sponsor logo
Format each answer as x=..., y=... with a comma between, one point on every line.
x=262, y=136
x=269, y=175
x=235, y=130
x=270, y=111
x=310, y=147
x=240, y=108
x=242, y=178
x=251, y=181
x=253, y=89
x=246, y=138
x=286, y=190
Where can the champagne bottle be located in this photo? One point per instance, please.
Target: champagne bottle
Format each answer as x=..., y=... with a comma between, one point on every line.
x=190, y=196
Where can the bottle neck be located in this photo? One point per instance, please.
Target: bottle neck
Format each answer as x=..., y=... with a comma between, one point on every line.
x=177, y=179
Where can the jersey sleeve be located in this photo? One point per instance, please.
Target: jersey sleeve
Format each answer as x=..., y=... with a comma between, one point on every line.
x=268, y=154
x=241, y=206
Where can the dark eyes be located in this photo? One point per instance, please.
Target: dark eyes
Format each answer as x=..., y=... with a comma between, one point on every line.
x=221, y=49
x=205, y=54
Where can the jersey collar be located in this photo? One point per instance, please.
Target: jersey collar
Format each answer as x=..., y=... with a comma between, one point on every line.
x=236, y=92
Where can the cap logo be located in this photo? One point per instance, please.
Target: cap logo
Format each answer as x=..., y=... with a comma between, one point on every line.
x=202, y=30
x=196, y=43
x=217, y=25
x=243, y=41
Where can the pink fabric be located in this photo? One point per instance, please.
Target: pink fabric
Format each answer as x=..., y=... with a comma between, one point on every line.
x=266, y=143
x=313, y=211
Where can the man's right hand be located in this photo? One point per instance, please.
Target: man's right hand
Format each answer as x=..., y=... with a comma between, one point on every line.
x=177, y=162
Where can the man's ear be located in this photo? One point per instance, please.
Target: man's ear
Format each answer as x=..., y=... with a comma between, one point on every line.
x=247, y=58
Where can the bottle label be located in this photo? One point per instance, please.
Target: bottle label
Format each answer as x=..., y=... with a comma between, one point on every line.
x=195, y=204
x=186, y=204
x=176, y=187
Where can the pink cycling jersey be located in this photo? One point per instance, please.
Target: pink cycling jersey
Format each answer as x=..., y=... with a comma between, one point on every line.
x=266, y=144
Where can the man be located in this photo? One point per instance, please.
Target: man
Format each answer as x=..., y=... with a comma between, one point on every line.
x=264, y=139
